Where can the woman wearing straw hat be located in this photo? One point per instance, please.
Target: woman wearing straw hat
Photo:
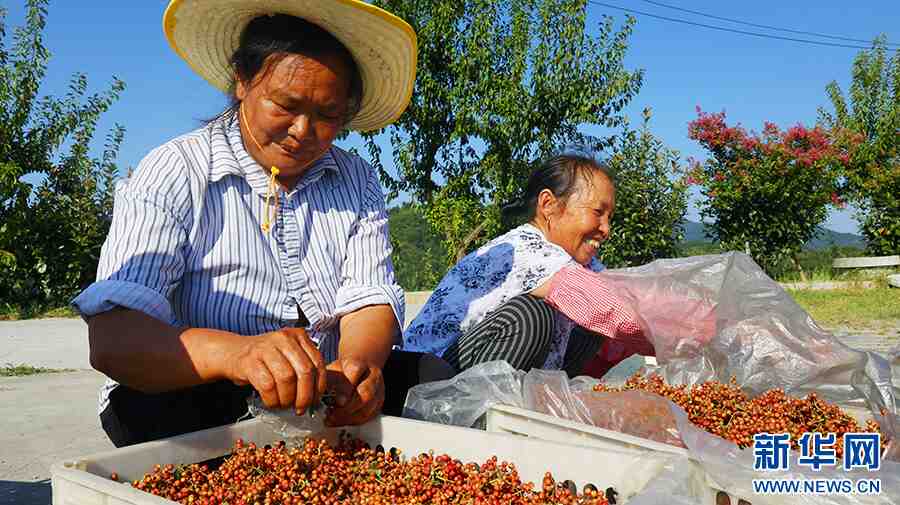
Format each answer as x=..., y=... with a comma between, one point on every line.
x=252, y=252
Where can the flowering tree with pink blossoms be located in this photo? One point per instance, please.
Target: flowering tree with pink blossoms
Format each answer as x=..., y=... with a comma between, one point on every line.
x=766, y=193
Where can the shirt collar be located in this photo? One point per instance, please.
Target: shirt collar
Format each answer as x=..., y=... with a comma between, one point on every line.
x=595, y=265
x=229, y=157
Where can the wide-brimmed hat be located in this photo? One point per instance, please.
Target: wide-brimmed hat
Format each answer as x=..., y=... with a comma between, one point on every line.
x=205, y=33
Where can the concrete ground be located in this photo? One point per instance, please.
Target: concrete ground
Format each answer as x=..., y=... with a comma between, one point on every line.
x=53, y=417
x=51, y=343
x=45, y=419
x=48, y=417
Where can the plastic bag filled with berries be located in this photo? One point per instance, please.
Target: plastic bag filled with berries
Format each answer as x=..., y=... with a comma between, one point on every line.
x=638, y=413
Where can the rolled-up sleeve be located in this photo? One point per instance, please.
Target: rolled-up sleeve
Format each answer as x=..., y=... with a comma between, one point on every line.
x=584, y=297
x=142, y=259
x=367, y=274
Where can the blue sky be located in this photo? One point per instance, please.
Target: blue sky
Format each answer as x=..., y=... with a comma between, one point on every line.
x=752, y=79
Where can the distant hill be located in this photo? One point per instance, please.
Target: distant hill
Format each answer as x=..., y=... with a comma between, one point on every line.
x=694, y=232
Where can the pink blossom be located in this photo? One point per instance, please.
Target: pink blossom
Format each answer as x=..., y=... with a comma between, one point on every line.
x=837, y=201
x=750, y=143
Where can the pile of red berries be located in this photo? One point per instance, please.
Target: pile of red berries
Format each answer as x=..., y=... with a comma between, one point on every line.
x=726, y=411
x=352, y=472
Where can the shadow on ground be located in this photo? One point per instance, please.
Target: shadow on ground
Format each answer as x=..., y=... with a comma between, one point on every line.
x=25, y=493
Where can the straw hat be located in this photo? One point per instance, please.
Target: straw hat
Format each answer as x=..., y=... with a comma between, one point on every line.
x=205, y=33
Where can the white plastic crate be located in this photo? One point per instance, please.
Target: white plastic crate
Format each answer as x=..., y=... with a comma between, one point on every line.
x=519, y=421
x=85, y=481
x=535, y=425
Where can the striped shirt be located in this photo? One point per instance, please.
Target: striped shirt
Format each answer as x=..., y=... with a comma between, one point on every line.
x=186, y=247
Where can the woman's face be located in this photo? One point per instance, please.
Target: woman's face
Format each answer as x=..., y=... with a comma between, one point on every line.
x=582, y=223
x=294, y=108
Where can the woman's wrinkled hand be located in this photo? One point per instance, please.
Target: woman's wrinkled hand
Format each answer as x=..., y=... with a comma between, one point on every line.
x=284, y=366
x=359, y=391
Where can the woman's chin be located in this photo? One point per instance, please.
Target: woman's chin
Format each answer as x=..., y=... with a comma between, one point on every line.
x=291, y=165
x=585, y=258
x=295, y=161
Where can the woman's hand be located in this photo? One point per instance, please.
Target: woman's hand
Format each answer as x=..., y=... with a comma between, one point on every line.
x=284, y=366
x=359, y=390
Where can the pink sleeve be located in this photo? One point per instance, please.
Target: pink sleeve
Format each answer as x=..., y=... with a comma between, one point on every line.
x=586, y=299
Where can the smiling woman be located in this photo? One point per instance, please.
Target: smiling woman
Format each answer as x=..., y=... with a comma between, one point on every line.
x=253, y=252
x=517, y=297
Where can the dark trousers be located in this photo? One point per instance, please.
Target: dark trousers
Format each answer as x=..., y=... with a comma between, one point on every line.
x=133, y=417
x=520, y=333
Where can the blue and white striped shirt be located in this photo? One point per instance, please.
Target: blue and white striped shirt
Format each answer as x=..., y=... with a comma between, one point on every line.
x=185, y=245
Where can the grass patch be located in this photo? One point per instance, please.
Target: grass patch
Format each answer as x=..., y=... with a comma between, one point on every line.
x=9, y=312
x=856, y=308
x=11, y=370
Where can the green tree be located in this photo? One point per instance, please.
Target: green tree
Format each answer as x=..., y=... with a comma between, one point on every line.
x=420, y=260
x=650, y=206
x=50, y=231
x=500, y=85
x=767, y=194
x=871, y=113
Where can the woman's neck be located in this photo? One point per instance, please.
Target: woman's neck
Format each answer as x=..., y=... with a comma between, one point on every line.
x=542, y=227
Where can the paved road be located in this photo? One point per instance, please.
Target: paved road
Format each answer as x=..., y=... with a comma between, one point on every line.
x=45, y=419
x=49, y=417
x=52, y=343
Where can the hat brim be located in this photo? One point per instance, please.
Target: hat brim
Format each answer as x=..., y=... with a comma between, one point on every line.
x=205, y=33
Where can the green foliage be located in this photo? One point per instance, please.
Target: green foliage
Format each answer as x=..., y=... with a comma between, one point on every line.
x=18, y=311
x=419, y=258
x=50, y=231
x=871, y=111
x=817, y=265
x=650, y=207
x=698, y=248
x=767, y=193
x=500, y=85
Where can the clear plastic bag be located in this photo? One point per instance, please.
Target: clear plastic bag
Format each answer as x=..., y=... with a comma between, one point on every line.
x=286, y=422
x=761, y=336
x=637, y=413
x=462, y=400
x=681, y=482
